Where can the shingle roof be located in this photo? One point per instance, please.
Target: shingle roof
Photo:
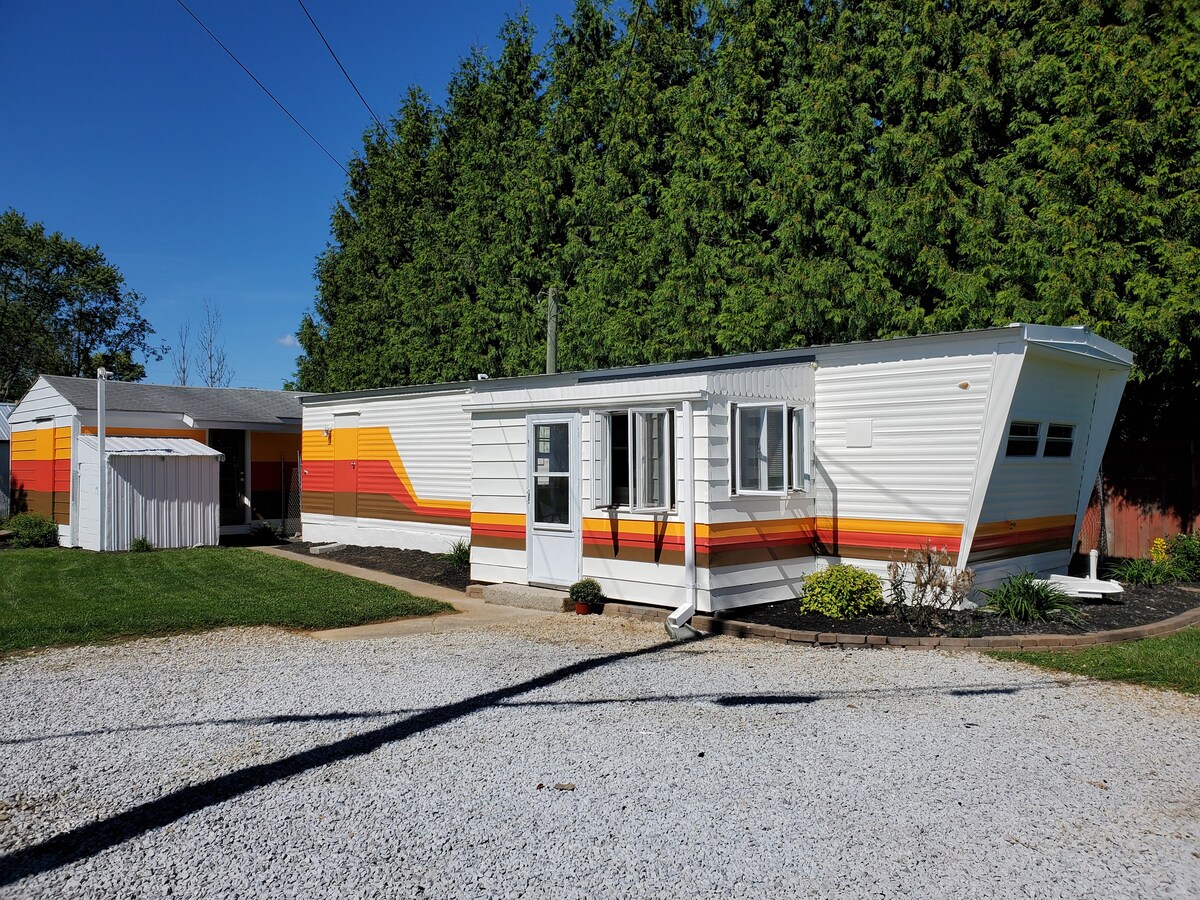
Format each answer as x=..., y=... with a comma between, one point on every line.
x=201, y=403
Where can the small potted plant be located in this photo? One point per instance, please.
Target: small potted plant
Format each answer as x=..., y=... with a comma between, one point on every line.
x=587, y=594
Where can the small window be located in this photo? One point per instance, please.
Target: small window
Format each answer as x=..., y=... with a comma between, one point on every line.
x=1023, y=439
x=1060, y=440
x=651, y=457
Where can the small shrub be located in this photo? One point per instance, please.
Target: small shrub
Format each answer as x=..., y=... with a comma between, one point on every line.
x=1143, y=572
x=266, y=533
x=459, y=556
x=1183, y=555
x=923, y=585
x=140, y=545
x=841, y=592
x=1024, y=598
x=32, y=530
x=587, y=590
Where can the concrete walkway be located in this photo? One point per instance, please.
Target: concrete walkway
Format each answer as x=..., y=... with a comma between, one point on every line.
x=470, y=614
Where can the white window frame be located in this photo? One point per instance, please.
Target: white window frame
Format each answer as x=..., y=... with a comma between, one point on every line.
x=735, y=481
x=801, y=449
x=602, y=498
x=639, y=457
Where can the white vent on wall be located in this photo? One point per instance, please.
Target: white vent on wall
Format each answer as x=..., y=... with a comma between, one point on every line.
x=858, y=432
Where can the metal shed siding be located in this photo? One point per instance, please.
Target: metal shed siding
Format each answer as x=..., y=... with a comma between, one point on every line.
x=173, y=501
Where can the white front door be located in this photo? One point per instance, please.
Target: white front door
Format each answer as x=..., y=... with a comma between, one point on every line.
x=554, y=527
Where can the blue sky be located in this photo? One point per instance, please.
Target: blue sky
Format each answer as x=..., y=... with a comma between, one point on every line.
x=122, y=124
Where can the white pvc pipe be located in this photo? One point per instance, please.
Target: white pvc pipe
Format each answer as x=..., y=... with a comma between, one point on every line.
x=101, y=459
x=677, y=621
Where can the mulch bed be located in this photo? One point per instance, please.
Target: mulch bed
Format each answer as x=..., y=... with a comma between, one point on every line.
x=1137, y=606
x=431, y=568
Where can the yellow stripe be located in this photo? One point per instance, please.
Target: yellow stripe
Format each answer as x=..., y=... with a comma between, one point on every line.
x=890, y=526
x=482, y=518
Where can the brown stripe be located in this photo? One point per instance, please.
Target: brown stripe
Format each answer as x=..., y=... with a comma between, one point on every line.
x=634, y=553
x=847, y=551
x=753, y=555
x=371, y=506
x=319, y=502
x=40, y=502
x=498, y=543
x=998, y=553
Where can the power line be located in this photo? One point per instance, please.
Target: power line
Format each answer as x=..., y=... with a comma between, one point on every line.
x=264, y=87
x=339, y=62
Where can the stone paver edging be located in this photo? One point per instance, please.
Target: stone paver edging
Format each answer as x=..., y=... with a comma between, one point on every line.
x=709, y=625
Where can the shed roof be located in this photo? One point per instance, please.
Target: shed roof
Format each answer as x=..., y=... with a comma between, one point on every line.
x=5, y=411
x=140, y=446
x=201, y=403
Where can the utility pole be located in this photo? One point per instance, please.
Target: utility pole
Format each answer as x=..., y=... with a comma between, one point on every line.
x=551, y=333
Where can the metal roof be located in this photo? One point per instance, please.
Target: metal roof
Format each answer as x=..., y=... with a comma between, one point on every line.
x=5, y=411
x=201, y=403
x=141, y=446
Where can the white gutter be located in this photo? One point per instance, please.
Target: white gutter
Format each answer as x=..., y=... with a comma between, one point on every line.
x=677, y=622
x=101, y=458
x=580, y=400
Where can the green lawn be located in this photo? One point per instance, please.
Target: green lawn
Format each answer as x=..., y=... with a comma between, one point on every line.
x=1171, y=662
x=50, y=597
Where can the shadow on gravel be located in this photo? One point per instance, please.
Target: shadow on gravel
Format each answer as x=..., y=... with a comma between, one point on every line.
x=977, y=690
x=89, y=840
x=201, y=723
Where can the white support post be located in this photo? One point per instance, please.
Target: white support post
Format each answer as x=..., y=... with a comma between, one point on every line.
x=101, y=459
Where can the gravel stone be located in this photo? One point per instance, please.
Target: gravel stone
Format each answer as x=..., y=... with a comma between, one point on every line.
x=256, y=762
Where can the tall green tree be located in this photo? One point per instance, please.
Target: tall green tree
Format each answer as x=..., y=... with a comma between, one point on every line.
x=64, y=310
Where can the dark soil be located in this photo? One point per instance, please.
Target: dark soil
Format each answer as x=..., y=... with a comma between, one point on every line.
x=432, y=568
x=1137, y=606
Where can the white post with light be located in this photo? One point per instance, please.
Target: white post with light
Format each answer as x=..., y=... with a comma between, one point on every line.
x=101, y=377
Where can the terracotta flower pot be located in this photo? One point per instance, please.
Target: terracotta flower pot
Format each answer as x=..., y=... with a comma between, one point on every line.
x=582, y=609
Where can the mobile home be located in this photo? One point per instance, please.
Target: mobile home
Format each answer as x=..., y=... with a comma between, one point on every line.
x=719, y=483
x=255, y=436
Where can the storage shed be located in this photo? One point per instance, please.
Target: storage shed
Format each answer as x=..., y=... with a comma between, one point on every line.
x=256, y=432
x=163, y=489
x=719, y=483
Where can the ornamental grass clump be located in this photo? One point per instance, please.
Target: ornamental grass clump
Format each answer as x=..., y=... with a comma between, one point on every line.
x=1024, y=598
x=459, y=556
x=841, y=592
x=1144, y=572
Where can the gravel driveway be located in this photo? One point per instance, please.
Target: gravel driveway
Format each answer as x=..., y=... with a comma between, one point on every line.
x=256, y=763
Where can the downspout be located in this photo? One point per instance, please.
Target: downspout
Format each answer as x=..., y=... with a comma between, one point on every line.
x=677, y=622
x=101, y=459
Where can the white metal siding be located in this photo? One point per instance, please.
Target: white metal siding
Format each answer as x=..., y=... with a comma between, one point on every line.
x=172, y=501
